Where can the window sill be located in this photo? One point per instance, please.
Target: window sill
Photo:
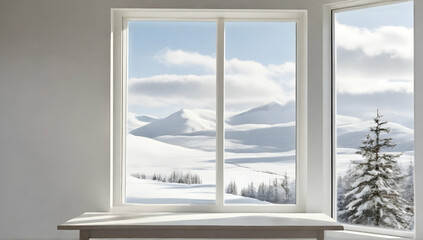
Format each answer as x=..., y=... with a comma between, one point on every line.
x=352, y=235
x=202, y=225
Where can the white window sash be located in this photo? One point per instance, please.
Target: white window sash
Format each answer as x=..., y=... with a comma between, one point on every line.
x=119, y=57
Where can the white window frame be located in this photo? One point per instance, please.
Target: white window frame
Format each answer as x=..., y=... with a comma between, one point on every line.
x=332, y=9
x=119, y=32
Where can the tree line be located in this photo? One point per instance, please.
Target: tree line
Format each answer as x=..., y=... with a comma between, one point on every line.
x=280, y=190
x=175, y=177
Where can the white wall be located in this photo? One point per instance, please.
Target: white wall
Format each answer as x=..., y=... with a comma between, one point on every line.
x=54, y=108
x=54, y=74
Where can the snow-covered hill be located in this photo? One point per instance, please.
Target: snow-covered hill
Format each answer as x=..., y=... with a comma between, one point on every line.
x=181, y=122
x=146, y=118
x=351, y=133
x=270, y=113
x=149, y=156
x=133, y=121
x=148, y=191
x=262, y=138
x=260, y=129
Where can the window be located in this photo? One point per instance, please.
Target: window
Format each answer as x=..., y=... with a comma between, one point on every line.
x=209, y=109
x=373, y=117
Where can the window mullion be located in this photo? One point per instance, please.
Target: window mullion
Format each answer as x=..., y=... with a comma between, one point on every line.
x=220, y=103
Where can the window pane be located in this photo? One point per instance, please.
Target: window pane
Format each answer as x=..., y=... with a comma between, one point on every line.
x=260, y=157
x=374, y=116
x=170, y=141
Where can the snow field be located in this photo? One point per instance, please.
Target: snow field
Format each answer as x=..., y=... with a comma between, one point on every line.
x=162, y=158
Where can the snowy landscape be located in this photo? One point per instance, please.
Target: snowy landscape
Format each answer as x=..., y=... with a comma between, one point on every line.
x=171, y=120
x=257, y=151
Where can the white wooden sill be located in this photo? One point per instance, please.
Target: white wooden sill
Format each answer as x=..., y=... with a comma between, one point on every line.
x=201, y=225
x=354, y=235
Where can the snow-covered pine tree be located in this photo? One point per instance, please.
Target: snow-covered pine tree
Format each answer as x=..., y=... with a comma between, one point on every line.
x=276, y=186
x=408, y=190
x=262, y=192
x=249, y=191
x=270, y=195
x=231, y=188
x=285, y=186
x=343, y=186
x=408, y=184
x=340, y=200
x=374, y=198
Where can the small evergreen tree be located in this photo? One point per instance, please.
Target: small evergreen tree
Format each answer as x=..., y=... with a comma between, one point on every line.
x=262, y=192
x=231, y=188
x=270, y=196
x=340, y=200
x=276, y=198
x=343, y=185
x=249, y=191
x=408, y=190
x=285, y=186
x=408, y=184
x=373, y=197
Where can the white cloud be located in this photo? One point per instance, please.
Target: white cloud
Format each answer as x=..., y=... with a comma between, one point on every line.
x=372, y=61
x=164, y=90
x=246, y=82
x=184, y=58
x=396, y=41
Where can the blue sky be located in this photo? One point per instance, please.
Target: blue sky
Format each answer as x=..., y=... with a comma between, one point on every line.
x=371, y=18
x=266, y=43
x=148, y=38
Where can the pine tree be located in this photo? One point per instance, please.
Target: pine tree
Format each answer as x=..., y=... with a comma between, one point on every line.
x=408, y=190
x=276, y=198
x=373, y=197
x=408, y=184
x=285, y=186
x=231, y=188
x=249, y=191
x=343, y=184
x=262, y=192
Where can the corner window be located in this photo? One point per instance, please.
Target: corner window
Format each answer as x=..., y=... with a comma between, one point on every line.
x=373, y=116
x=209, y=107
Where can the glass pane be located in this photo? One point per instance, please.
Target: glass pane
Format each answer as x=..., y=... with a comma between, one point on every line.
x=260, y=155
x=170, y=141
x=374, y=116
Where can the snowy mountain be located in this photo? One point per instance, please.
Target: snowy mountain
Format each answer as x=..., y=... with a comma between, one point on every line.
x=270, y=113
x=181, y=122
x=262, y=138
x=146, y=118
x=350, y=135
x=257, y=130
x=134, y=121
